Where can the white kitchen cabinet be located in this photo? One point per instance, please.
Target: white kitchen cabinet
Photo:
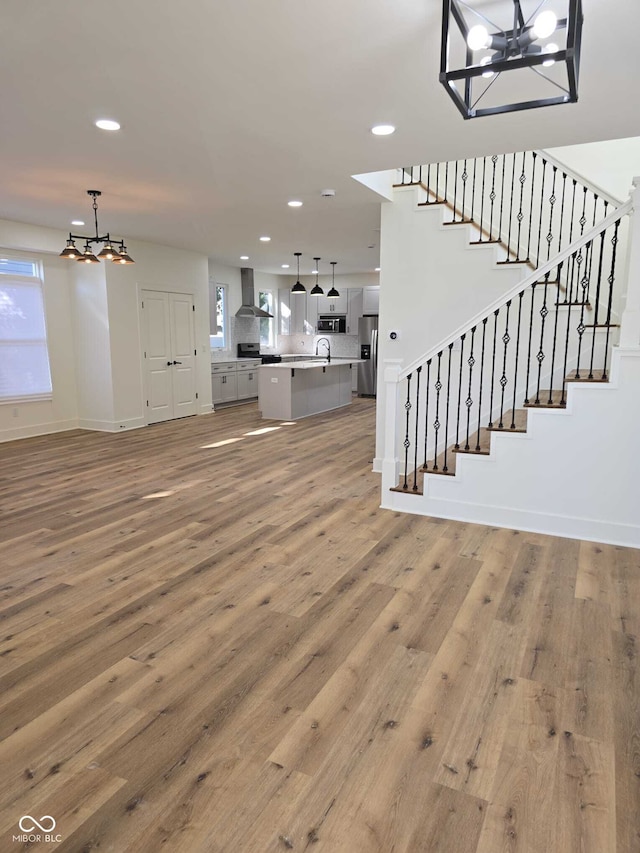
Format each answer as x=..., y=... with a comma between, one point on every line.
x=298, y=304
x=354, y=311
x=333, y=306
x=371, y=300
x=284, y=311
x=224, y=387
x=247, y=384
x=312, y=313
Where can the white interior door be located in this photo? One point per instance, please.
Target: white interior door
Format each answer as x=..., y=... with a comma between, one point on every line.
x=169, y=355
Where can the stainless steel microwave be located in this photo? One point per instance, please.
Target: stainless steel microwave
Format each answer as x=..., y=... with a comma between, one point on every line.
x=332, y=323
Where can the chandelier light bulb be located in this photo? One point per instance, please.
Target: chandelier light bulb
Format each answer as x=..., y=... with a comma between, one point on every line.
x=545, y=24
x=478, y=37
x=550, y=48
x=485, y=61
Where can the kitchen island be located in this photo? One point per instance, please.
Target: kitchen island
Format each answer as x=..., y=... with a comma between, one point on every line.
x=287, y=392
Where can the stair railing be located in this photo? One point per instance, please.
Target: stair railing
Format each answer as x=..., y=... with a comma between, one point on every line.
x=526, y=201
x=521, y=351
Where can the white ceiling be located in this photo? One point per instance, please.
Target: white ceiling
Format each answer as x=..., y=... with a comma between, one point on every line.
x=229, y=108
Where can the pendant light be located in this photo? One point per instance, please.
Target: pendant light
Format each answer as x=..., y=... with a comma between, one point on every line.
x=112, y=250
x=298, y=287
x=333, y=293
x=316, y=290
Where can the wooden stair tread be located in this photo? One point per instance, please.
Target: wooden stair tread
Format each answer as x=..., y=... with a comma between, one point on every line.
x=556, y=397
x=520, y=420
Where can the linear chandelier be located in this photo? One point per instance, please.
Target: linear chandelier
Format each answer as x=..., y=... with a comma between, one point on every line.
x=108, y=253
x=519, y=56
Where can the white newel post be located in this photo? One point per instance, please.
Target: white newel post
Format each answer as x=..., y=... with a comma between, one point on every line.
x=391, y=460
x=630, y=321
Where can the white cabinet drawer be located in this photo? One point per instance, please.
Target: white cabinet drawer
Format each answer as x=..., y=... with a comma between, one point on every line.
x=223, y=367
x=249, y=365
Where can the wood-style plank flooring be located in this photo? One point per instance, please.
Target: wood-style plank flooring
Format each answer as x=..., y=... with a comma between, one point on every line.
x=232, y=649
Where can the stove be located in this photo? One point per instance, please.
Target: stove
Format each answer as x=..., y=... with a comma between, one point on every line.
x=253, y=351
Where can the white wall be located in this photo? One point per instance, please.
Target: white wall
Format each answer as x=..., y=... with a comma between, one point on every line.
x=610, y=165
x=575, y=472
x=93, y=332
x=432, y=280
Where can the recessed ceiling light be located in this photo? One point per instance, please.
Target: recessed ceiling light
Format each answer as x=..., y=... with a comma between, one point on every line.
x=377, y=269
x=244, y=257
x=265, y=239
x=314, y=272
x=107, y=124
x=77, y=222
x=382, y=129
x=294, y=203
x=285, y=266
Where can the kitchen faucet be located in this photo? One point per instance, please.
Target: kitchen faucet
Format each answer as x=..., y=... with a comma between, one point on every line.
x=328, y=343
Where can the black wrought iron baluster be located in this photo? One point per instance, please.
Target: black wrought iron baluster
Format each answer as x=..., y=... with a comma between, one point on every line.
x=564, y=187
x=484, y=171
x=584, y=285
x=533, y=184
x=455, y=192
x=492, y=194
x=464, y=176
x=407, y=443
x=544, y=175
x=469, y=401
x=552, y=203
x=429, y=183
x=595, y=209
x=503, y=379
x=513, y=181
x=504, y=163
x=446, y=181
x=493, y=364
x=597, y=303
x=473, y=191
x=541, y=356
x=446, y=420
x=436, y=423
x=611, y=282
x=533, y=299
x=420, y=174
x=426, y=417
x=563, y=395
x=457, y=445
x=522, y=179
x=417, y=420
x=515, y=369
x=568, y=293
x=555, y=332
x=437, y=181
x=484, y=329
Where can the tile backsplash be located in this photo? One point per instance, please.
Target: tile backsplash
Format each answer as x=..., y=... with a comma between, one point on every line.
x=247, y=330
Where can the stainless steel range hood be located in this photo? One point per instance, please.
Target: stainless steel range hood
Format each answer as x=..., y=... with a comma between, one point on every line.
x=248, y=307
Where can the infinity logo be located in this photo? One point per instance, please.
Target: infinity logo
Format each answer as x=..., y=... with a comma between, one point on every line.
x=45, y=824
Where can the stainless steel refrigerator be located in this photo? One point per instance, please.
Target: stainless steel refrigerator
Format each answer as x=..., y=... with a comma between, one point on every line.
x=368, y=343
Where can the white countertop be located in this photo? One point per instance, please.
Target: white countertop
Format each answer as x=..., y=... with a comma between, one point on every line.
x=312, y=363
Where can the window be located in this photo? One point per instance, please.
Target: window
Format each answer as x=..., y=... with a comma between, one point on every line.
x=218, y=315
x=267, y=324
x=24, y=356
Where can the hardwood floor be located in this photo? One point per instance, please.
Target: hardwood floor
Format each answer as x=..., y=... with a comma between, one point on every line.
x=231, y=649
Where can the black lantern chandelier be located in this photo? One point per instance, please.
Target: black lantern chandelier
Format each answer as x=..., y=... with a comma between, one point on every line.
x=536, y=41
x=109, y=251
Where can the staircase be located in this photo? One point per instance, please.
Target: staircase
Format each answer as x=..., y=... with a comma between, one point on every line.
x=523, y=357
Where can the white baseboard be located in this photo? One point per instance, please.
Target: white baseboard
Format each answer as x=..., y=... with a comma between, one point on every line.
x=37, y=429
x=377, y=465
x=111, y=426
x=569, y=527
